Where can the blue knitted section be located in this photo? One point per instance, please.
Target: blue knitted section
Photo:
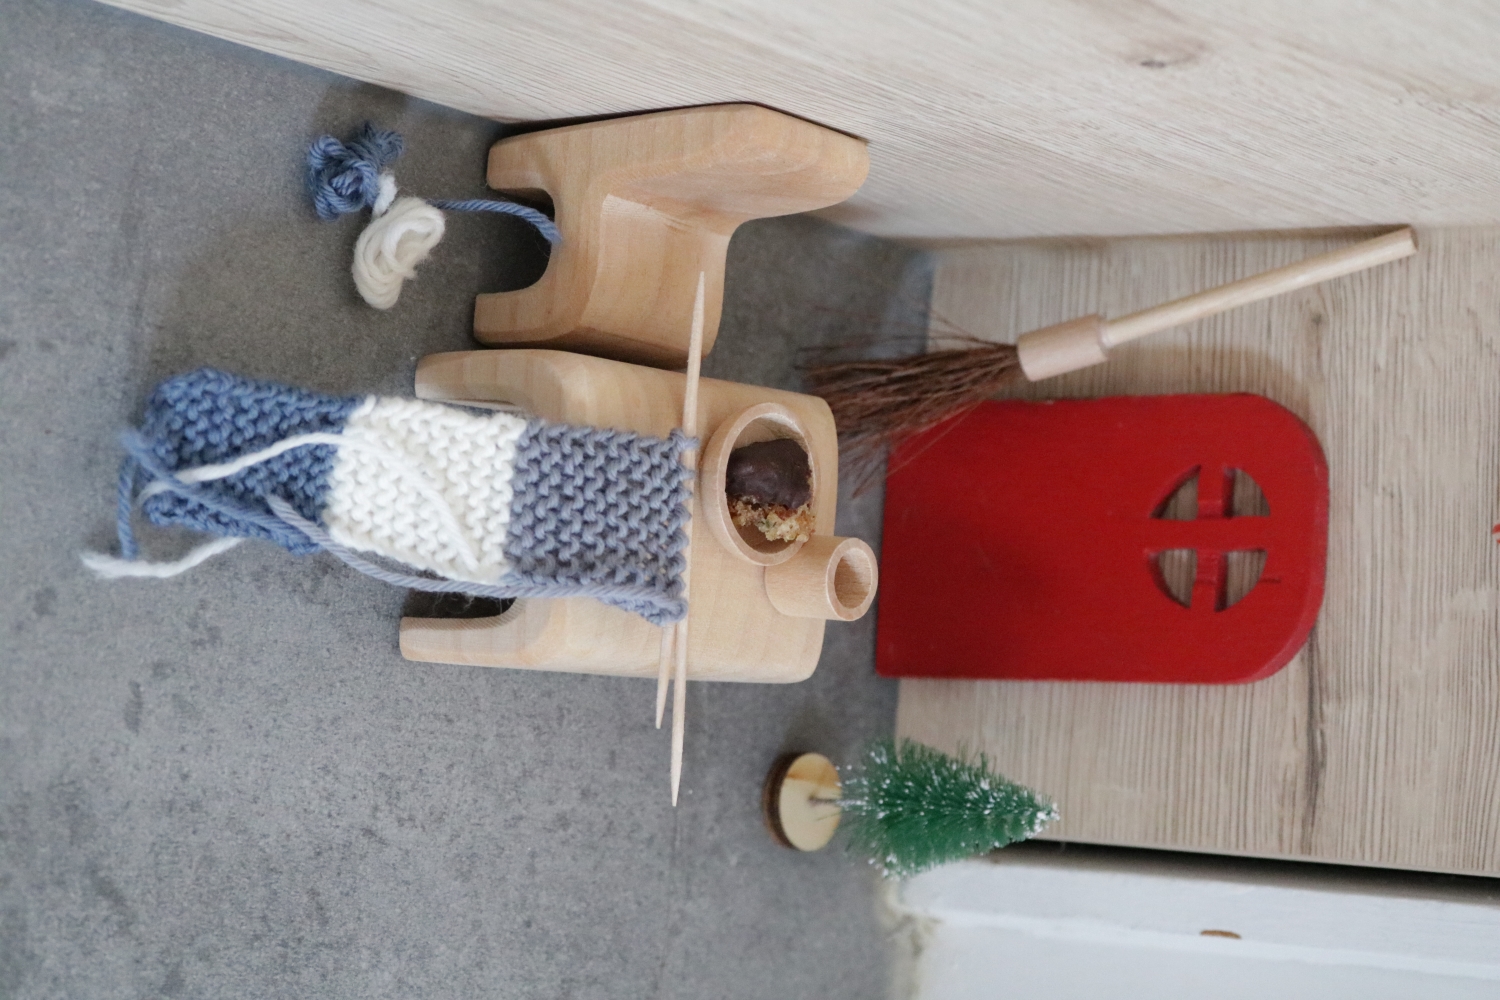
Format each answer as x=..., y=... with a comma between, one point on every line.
x=207, y=417
x=345, y=177
x=601, y=513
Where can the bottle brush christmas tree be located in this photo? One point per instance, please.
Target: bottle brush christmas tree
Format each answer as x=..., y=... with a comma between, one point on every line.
x=910, y=807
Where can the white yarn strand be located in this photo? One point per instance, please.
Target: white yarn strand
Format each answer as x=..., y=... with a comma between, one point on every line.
x=391, y=247
x=223, y=470
x=386, y=193
x=114, y=568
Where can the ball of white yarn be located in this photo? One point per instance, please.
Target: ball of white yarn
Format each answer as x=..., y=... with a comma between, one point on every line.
x=391, y=247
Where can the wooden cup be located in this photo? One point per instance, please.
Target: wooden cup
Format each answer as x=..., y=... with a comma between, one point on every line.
x=762, y=422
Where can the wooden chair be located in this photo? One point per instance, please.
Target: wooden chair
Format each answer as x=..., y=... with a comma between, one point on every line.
x=644, y=204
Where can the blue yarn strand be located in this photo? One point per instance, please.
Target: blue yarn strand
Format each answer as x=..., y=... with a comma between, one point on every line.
x=509, y=587
x=125, y=508
x=543, y=225
x=345, y=177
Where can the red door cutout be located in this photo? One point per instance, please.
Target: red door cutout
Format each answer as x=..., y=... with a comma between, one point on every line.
x=1160, y=539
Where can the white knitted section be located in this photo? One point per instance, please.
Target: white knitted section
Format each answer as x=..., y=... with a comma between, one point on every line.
x=427, y=485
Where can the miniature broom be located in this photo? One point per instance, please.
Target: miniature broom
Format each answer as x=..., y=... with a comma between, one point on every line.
x=876, y=403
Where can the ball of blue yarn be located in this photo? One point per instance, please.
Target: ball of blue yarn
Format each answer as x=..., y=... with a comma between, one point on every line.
x=345, y=177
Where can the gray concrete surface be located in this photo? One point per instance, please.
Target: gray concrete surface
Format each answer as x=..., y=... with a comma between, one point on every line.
x=230, y=784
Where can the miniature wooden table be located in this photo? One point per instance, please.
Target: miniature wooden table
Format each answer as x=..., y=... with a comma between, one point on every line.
x=736, y=633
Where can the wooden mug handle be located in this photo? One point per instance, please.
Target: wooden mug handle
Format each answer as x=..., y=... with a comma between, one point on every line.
x=832, y=578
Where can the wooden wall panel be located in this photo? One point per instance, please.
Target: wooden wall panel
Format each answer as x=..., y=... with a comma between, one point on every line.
x=1380, y=743
x=1023, y=118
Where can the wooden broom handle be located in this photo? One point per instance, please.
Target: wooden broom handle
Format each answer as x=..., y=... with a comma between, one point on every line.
x=1323, y=267
x=1079, y=343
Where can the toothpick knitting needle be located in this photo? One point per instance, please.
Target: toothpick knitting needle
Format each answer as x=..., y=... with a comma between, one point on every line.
x=695, y=359
x=689, y=414
x=690, y=459
x=664, y=670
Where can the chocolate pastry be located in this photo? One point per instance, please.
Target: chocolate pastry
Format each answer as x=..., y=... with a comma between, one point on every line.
x=769, y=486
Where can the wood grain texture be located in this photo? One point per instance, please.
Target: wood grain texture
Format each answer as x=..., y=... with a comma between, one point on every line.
x=1380, y=743
x=1034, y=117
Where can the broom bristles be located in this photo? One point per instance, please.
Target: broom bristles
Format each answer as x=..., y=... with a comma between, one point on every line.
x=878, y=402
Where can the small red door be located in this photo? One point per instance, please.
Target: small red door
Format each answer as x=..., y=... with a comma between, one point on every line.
x=1025, y=541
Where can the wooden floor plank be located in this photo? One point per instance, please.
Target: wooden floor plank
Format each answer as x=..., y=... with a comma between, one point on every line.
x=1380, y=743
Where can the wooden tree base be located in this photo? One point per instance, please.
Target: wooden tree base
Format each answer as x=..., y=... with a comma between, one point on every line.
x=800, y=801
